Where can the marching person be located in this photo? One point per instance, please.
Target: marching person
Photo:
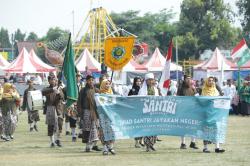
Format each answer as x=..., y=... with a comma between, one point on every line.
x=87, y=111
x=1, y=125
x=148, y=88
x=53, y=110
x=80, y=85
x=1, y=117
x=230, y=91
x=108, y=145
x=209, y=89
x=187, y=89
x=9, y=104
x=72, y=115
x=134, y=91
x=33, y=115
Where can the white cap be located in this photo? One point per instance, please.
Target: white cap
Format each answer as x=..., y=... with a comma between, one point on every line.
x=149, y=76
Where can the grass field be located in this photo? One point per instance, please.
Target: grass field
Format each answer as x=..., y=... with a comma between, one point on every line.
x=32, y=149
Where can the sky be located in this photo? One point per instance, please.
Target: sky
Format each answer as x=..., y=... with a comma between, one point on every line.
x=39, y=15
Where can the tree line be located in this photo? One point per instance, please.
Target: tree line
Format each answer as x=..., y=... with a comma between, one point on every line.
x=203, y=24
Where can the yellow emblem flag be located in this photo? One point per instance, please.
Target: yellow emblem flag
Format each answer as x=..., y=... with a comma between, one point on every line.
x=118, y=51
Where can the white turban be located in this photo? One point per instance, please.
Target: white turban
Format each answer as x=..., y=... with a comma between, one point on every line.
x=149, y=76
x=144, y=89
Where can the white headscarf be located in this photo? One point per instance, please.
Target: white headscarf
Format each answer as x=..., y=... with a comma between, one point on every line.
x=144, y=89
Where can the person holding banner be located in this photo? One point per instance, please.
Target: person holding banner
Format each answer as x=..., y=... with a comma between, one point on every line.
x=187, y=89
x=33, y=115
x=148, y=88
x=108, y=145
x=209, y=89
x=86, y=107
x=9, y=104
x=54, y=114
x=134, y=91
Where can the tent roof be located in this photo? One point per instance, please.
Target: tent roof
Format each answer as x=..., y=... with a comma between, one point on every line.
x=86, y=59
x=39, y=61
x=24, y=63
x=3, y=62
x=132, y=65
x=157, y=62
x=215, y=62
x=137, y=65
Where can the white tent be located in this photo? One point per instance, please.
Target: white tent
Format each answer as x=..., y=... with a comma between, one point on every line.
x=24, y=63
x=217, y=65
x=157, y=62
x=3, y=64
x=86, y=59
x=39, y=61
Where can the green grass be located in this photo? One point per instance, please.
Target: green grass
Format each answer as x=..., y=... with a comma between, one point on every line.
x=32, y=149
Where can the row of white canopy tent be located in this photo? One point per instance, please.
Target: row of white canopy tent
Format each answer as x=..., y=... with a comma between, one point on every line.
x=27, y=63
x=217, y=65
x=155, y=63
x=31, y=63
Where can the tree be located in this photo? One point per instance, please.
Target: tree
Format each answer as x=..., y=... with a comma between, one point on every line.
x=209, y=22
x=19, y=36
x=4, y=38
x=56, y=39
x=32, y=37
x=154, y=29
x=244, y=11
x=55, y=33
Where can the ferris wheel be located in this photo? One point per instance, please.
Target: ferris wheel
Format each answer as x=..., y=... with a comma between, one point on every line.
x=95, y=28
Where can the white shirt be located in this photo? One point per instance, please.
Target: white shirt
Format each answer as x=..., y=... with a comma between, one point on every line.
x=26, y=78
x=230, y=91
x=38, y=80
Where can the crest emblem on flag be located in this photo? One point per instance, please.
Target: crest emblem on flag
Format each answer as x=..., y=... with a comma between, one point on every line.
x=118, y=52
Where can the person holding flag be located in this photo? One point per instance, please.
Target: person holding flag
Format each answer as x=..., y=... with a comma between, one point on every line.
x=54, y=115
x=69, y=74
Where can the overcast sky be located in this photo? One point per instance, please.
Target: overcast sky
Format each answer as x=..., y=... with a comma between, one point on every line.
x=39, y=15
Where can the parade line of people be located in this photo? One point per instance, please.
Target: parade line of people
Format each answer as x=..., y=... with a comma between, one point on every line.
x=83, y=113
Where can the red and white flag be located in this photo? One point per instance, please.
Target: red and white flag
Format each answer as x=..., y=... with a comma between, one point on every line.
x=165, y=77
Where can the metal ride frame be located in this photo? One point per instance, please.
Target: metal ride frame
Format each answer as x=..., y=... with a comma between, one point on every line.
x=100, y=26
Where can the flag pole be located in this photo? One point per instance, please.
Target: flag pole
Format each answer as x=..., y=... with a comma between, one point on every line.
x=112, y=76
x=238, y=80
x=176, y=53
x=222, y=72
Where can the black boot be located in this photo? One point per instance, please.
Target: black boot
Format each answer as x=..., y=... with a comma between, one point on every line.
x=58, y=143
x=205, y=150
x=35, y=127
x=193, y=145
x=73, y=139
x=217, y=150
x=183, y=146
x=96, y=148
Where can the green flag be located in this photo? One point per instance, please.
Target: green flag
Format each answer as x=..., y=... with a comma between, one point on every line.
x=69, y=73
x=244, y=58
